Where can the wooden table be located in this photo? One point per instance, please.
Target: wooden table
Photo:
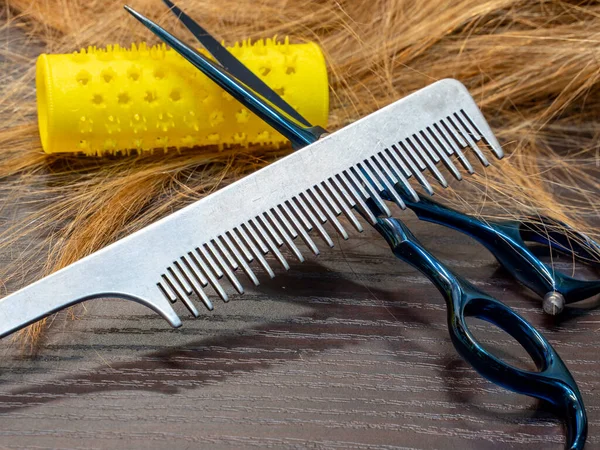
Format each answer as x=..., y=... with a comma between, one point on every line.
x=349, y=350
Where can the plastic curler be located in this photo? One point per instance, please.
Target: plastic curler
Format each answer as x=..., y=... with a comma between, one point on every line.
x=115, y=100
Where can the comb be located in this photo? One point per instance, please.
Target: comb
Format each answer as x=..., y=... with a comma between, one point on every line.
x=186, y=256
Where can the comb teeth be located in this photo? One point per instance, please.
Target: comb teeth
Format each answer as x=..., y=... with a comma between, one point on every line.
x=306, y=213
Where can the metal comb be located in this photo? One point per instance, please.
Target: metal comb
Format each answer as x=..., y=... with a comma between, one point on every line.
x=187, y=254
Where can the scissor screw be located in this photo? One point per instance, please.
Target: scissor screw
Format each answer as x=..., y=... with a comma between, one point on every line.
x=554, y=303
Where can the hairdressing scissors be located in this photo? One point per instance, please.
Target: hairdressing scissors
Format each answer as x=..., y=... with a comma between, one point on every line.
x=552, y=382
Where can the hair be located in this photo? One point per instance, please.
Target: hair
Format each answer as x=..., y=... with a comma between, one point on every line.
x=531, y=66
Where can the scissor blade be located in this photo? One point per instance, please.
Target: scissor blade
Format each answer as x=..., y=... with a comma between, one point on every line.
x=234, y=65
x=297, y=134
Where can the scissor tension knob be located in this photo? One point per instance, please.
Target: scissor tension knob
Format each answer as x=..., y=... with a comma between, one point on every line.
x=554, y=303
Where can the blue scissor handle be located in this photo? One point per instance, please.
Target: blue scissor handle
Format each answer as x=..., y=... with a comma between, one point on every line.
x=553, y=382
x=507, y=242
x=547, y=231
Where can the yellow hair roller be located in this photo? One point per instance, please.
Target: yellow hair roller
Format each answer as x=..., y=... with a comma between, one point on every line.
x=105, y=101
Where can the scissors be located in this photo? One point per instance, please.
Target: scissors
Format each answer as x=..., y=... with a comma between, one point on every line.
x=552, y=382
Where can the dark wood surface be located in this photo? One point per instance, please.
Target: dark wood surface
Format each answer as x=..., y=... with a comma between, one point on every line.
x=349, y=350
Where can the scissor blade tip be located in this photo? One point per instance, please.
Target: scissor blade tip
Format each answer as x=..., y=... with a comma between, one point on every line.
x=132, y=11
x=136, y=14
